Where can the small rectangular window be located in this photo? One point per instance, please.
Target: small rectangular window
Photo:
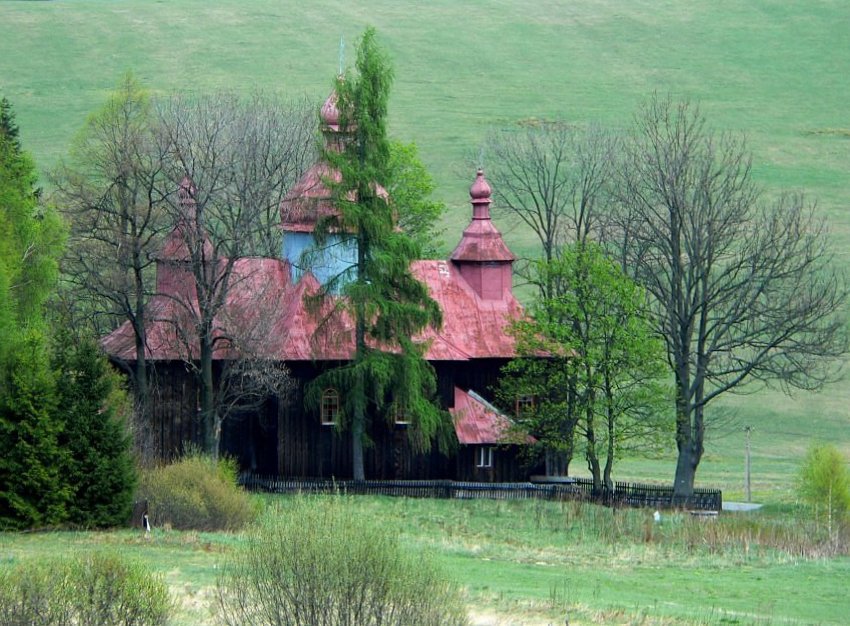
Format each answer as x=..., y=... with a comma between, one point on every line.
x=330, y=407
x=399, y=417
x=484, y=456
x=524, y=405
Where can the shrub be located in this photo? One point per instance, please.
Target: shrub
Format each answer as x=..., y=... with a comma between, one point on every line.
x=196, y=493
x=92, y=589
x=825, y=481
x=32, y=594
x=314, y=563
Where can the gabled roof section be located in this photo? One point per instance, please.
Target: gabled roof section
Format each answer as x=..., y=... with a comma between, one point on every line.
x=477, y=422
x=472, y=327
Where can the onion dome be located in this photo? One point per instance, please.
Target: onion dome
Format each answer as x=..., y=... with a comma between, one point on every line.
x=330, y=113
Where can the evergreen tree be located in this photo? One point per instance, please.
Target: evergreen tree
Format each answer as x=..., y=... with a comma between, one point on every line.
x=8, y=127
x=388, y=306
x=30, y=239
x=100, y=471
x=32, y=490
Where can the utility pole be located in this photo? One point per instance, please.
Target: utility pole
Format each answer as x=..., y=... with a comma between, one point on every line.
x=747, y=430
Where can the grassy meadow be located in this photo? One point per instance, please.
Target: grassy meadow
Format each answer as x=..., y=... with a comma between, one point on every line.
x=536, y=563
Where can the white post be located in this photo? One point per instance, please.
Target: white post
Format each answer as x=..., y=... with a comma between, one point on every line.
x=747, y=490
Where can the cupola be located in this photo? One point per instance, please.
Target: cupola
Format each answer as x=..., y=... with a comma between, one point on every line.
x=310, y=200
x=173, y=260
x=482, y=256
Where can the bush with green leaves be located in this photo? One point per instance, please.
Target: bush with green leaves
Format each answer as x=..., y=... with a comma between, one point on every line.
x=825, y=481
x=312, y=562
x=197, y=493
x=98, y=588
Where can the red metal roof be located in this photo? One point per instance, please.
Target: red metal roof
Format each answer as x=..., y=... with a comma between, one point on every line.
x=477, y=422
x=472, y=326
x=309, y=200
x=262, y=302
x=258, y=292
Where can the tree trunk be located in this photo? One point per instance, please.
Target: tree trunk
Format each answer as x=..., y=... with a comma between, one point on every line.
x=557, y=462
x=141, y=376
x=686, y=464
x=686, y=467
x=358, y=419
x=209, y=428
x=609, y=455
x=142, y=399
x=357, y=447
x=592, y=456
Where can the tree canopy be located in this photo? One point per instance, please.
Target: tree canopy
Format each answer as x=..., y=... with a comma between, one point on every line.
x=387, y=374
x=50, y=451
x=742, y=288
x=589, y=363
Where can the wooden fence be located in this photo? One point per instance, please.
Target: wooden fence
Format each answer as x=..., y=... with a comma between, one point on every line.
x=623, y=494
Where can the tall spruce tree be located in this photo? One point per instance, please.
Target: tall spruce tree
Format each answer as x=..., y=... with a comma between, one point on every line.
x=100, y=471
x=387, y=375
x=31, y=490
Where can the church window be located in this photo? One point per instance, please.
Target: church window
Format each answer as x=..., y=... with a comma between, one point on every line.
x=330, y=407
x=524, y=405
x=484, y=457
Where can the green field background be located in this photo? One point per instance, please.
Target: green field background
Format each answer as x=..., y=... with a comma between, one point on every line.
x=777, y=71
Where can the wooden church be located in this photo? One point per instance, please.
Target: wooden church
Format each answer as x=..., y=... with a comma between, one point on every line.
x=284, y=437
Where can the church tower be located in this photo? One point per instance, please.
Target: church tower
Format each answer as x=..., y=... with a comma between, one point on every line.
x=482, y=257
x=307, y=202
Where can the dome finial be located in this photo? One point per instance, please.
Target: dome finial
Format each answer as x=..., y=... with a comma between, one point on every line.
x=480, y=189
x=330, y=112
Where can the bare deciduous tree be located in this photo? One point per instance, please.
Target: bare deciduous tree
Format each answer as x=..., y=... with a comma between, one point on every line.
x=110, y=192
x=553, y=179
x=243, y=370
x=237, y=159
x=742, y=289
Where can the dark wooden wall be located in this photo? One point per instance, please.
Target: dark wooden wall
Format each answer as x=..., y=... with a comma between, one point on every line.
x=308, y=448
x=481, y=376
x=507, y=465
x=174, y=409
x=287, y=439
